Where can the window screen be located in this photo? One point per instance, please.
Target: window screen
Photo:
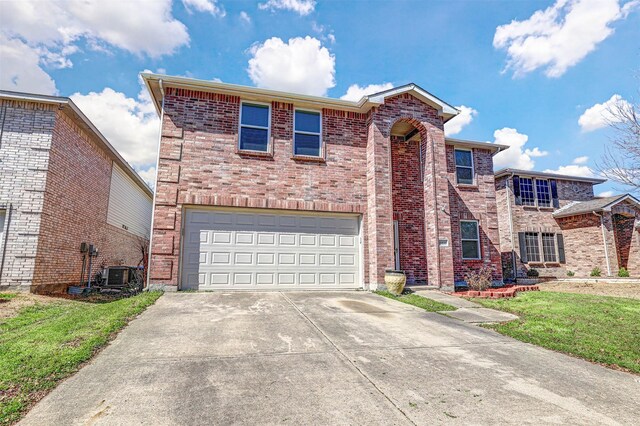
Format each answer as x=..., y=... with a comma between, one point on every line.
x=526, y=192
x=464, y=166
x=307, y=139
x=533, y=247
x=470, y=239
x=254, y=127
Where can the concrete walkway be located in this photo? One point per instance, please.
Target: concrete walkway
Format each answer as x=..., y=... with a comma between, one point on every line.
x=467, y=311
x=328, y=358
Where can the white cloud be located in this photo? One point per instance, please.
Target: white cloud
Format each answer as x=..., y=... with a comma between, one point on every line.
x=244, y=16
x=581, y=160
x=210, y=6
x=560, y=36
x=149, y=176
x=516, y=156
x=355, y=92
x=302, y=7
x=573, y=170
x=600, y=115
x=130, y=125
x=606, y=194
x=302, y=65
x=21, y=70
x=58, y=24
x=457, y=123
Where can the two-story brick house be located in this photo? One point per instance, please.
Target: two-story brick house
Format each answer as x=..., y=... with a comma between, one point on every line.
x=554, y=224
x=265, y=189
x=63, y=184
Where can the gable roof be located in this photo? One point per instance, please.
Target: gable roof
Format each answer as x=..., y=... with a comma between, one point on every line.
x=520, y=172
x=594, y=205
x=157, y=82
x=73, y=112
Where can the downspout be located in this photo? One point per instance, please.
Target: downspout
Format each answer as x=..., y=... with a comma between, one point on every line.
x=604, y=241
x=153, y=207
x=7, y=219
x=435, y=206
x=513, y=246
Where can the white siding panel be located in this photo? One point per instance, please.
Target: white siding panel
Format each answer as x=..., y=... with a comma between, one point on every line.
x=129, y=206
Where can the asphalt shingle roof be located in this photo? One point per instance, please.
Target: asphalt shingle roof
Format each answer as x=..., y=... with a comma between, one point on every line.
x=581, y=207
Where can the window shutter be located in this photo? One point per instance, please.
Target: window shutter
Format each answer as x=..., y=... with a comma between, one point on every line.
x=561, y=257
x=516, y=190
x=523, y=247
x=554, y=193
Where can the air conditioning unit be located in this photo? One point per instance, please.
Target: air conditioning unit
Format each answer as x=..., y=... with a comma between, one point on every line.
x=118, y=276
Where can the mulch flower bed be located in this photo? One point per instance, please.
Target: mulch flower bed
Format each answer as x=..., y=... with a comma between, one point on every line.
x=509, y=290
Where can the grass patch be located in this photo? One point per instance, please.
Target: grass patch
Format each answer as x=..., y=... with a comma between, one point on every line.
x=601, y=329
x=47, y=342
x=7, y=296
x=419, y=301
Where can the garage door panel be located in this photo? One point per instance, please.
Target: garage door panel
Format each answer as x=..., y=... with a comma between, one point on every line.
x=244, y=250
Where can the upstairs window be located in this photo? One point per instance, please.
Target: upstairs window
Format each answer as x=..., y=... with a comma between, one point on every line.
x=464, y=166
x=535, y=192
x=307, y=140
x=527, y=192
x=470, y=237
x=254, y=127
x=543, y=194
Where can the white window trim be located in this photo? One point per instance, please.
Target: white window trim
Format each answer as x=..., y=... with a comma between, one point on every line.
x=268, y=128
x=293, y=145
x=473, y=168
x=468, y=239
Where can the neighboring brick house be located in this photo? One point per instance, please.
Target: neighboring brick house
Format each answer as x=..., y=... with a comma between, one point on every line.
x=265, y=189
x=554, y=224
x=62, y=184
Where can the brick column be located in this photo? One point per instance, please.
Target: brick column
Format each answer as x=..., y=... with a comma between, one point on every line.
x=436, y=207
x=379, y=205
x=165, y=242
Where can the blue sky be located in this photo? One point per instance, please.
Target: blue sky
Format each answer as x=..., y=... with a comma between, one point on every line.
x=523, y=70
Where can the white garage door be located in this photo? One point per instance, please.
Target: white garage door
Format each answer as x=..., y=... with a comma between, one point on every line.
x=249, y=250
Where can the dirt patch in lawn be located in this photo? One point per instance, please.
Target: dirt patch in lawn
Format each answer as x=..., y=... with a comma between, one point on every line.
x=10, y=307
x=619, y=289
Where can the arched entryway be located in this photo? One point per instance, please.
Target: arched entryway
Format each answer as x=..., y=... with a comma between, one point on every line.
x=407, y=188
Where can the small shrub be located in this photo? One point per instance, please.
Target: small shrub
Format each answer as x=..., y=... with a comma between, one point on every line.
x=479, y=280
x=570, y=273
x=533, y=273
x=596, y=272
x=622, y=272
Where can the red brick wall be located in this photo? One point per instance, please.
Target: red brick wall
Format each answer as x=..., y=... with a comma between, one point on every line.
x=408, y=208
x=475, y=202
x=199, y=165
x=75, y=210
x=583, y=245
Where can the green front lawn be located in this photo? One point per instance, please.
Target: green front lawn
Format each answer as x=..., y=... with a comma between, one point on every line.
x=597, y=328
x=47, y=342
x=419, y=301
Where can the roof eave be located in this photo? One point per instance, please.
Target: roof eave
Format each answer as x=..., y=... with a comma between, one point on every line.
x=69, y=106
x=509, y=171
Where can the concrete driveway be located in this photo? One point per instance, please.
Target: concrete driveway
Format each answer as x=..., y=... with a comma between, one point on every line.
x=328, y=358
